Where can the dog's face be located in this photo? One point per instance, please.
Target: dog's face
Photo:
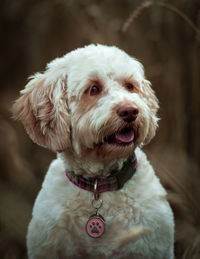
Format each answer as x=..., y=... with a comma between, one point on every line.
x=94, y=101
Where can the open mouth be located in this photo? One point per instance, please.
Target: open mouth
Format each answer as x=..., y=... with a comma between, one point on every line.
x=124, y=137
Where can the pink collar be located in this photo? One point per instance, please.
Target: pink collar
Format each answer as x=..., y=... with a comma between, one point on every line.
x=114, y=182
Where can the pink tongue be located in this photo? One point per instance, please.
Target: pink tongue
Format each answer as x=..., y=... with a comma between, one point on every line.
x=126, y=135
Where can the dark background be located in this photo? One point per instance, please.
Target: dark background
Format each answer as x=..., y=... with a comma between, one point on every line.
x=164, y=36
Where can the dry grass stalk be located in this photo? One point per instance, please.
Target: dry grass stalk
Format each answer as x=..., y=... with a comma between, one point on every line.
x=135, y=14
x=140, y=9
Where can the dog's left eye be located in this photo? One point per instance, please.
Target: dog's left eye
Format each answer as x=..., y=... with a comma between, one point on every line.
x=129, y=86
x=94, y=90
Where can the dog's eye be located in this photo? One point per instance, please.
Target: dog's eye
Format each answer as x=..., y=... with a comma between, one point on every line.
x=130, y=87
x=94, y=90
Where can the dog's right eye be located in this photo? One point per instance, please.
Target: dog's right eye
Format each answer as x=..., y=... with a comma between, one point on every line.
x=130, y=87
x=94, y=90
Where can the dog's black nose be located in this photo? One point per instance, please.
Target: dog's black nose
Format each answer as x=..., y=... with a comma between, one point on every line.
x=128, y=113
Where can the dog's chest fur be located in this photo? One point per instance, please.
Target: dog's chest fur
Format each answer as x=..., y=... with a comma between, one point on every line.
x=137, y=217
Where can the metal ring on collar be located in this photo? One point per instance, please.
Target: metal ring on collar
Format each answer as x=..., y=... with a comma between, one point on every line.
x=96, y=204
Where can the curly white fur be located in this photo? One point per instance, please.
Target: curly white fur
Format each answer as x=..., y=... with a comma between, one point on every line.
x=60, y=112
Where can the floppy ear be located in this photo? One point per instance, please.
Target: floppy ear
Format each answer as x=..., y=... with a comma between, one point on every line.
x=152, y=102
x=43, y=110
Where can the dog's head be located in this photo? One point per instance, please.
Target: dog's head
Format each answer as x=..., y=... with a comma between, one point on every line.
x=94, y=101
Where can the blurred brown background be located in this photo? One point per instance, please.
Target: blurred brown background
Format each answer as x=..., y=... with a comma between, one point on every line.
x=33, y=32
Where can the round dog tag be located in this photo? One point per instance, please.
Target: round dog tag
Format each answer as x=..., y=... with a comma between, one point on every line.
x=95, y=226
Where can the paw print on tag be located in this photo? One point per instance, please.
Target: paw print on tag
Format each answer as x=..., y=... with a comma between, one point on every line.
x=95, y=226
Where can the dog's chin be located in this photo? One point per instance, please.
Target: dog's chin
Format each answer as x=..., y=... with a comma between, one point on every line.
x=118, y=144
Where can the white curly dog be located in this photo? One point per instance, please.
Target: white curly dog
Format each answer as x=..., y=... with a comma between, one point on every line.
x=100, y=197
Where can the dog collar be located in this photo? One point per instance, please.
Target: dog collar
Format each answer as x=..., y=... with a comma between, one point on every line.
x=111, y=183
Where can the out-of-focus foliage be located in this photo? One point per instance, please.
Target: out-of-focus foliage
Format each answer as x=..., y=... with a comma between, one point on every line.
x=34, y=32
